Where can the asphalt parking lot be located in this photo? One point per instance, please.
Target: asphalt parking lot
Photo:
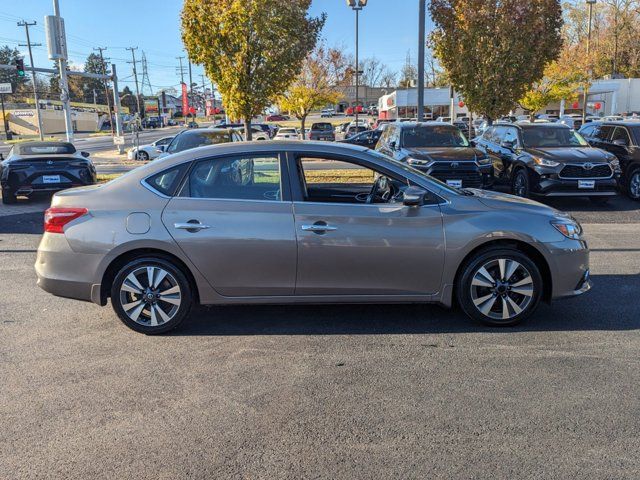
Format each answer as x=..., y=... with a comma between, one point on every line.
x=324, y=392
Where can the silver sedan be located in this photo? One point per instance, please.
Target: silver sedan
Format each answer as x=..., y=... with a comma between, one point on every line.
x=302, y=222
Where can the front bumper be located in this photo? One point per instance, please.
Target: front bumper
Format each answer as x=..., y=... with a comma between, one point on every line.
x=550, y=184
x=569, y=264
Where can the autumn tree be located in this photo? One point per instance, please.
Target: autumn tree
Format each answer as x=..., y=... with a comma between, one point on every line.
x=251, y=49
x=494, y=50
x=315, y=87
x=558, y=83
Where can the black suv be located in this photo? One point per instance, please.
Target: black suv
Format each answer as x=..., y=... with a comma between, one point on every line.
x=623, y=140
x=549, y=159
x=438, y=149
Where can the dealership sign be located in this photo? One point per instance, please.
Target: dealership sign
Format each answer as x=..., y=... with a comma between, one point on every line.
x=185, y=100
x=5, y=88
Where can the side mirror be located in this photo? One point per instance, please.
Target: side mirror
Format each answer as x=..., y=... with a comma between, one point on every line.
x=413, y=196
x=508, y=144
x=85, y=154
x=161, y=147
x=620, y=142
x=1, y=157
x=392, y=145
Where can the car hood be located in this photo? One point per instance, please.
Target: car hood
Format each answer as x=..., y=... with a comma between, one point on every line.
x=504, y=201
x=445, y=154
x=571, y=154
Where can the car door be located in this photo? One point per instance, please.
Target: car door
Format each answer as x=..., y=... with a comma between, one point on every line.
x=348, y=247
x=233, y=218
x=621, y=146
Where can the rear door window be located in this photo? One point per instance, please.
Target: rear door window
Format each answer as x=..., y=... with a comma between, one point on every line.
x=240, y=177
x=620, y=133
x=604, y=133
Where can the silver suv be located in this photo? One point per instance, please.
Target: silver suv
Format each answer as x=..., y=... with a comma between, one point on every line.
x=302, y=222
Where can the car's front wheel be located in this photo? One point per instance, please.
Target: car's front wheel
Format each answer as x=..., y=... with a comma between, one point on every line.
x=151, y=295
x=142, y=155
x=633, y=185
x=520, y=184
x=499, y=287
x=8, y=197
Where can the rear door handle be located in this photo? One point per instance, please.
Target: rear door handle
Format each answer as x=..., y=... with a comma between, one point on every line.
x=318, y=227
x=191, y=226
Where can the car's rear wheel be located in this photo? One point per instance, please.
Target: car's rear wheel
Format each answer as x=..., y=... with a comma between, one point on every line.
x=633, y=185
x=520, y=184
x=8, y=197
x=151, y=295
x=142, y=155
x=499, y=287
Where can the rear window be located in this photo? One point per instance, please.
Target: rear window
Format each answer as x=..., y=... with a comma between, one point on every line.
x=322, y=126
x=47, y=149
x=167, y=181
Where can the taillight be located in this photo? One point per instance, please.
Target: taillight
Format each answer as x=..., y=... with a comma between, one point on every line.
x=55, y=218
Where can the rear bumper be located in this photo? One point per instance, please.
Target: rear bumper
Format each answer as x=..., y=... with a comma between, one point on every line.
x=65, y=273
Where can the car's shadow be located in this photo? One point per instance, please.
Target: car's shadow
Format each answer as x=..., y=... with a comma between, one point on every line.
x=611, y=305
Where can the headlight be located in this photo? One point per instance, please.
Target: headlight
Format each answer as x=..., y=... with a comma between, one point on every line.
x=484, y=161
x=571, y=230
x=614, y=162
x=419, y=163
x=543, y=162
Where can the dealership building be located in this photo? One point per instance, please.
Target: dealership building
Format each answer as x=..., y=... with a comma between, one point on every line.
x=403, y=103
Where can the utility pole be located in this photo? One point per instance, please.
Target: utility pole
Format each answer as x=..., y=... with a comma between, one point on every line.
x=64, y=84
x=585, y=92
x=421, y=42
x=135, y=76
x=26, y=26
x=190, y=95
x=181, y=69
x=116, y=107
x=106, y=87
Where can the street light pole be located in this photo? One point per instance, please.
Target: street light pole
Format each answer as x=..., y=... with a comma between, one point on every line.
x=585, y=92
x=357, y=5
x=421, y=42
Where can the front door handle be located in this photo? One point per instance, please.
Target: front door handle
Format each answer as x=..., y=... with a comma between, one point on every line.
x=318, y=227
x=191, y=226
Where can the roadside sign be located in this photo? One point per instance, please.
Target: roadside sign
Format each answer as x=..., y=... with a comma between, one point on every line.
x=5, y=88
x=118, y=140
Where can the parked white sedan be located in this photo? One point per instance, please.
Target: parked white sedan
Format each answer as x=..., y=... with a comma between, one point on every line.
x=148, y=152
x=287, y=134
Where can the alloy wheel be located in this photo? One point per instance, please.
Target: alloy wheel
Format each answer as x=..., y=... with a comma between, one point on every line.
x=634, y=184
x=502, y=289
x=520, y=186
x=150, y=296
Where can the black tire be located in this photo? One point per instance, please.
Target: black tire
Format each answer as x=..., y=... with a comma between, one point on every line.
x=142, y=155
x=465, y=290
x=174, y=277
x=599, y=200
x=633, y=192
x=520, y=184
x=8, y=197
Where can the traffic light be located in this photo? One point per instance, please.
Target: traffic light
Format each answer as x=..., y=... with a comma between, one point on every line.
x=20, y=67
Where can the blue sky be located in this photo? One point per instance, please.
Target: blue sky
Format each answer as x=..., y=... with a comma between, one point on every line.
x=388, y=28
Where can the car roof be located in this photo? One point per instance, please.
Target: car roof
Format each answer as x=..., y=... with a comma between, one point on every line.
x=622, y=123
x=404, y=125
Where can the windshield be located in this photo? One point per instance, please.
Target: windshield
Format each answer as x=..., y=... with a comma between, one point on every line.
x=550, y=137
x=433, y=136
x=188, y=140
x=322, y=126
x=287, y=130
